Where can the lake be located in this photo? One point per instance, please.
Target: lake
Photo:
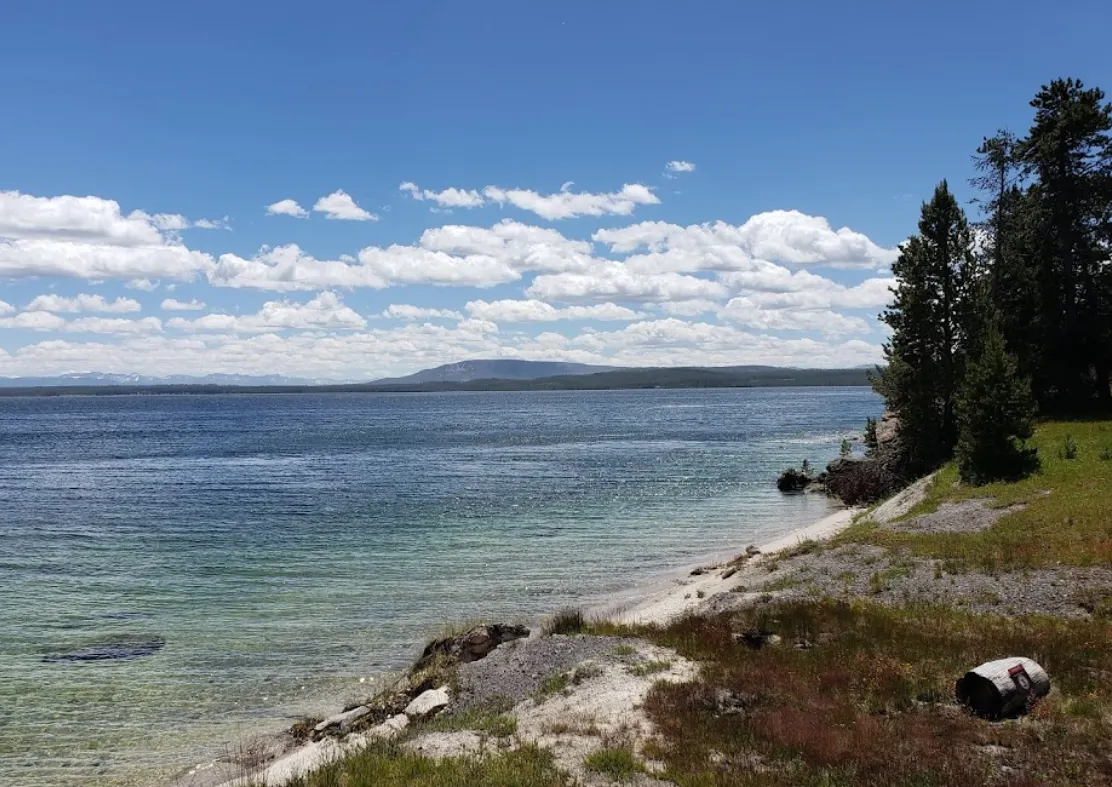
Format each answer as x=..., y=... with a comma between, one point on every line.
x=259, y=557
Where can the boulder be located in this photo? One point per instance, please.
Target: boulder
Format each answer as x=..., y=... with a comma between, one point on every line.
x=471, y=645
x=427, y=704
x=341, y=723
x=856, y=480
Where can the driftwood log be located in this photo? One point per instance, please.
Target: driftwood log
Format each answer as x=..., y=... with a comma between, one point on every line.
x=1003, y=688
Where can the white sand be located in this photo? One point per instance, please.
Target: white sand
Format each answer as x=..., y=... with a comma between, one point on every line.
x=661, y=604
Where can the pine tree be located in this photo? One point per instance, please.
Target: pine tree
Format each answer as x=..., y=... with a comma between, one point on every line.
x=932, y=323
x=995, y=415
x=1068, y=154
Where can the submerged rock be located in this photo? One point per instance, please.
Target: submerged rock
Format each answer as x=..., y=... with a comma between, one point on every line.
x=108, y=649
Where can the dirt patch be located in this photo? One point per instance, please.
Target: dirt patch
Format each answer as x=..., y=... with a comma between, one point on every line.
x=968, y=516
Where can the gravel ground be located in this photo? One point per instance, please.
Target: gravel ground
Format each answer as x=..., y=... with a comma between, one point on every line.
x=968, y=516
x=514, y=671
x=873, y=572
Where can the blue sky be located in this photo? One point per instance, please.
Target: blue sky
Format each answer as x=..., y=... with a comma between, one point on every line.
x=805, y=135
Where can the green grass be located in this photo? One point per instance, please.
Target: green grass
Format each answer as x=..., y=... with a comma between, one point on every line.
x=871, y=703
x=624, y=650
x=489, y=720
x=562, y=683
x=646, y=668
x=617, y=763
x=1065, y=519
x=387, y=765
x=566, y=621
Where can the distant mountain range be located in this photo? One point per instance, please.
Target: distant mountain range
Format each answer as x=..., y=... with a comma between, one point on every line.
x=494, y=369
x=479, y=375
x=102, y=378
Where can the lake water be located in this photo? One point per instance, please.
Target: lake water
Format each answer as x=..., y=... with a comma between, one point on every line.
x=269, y=553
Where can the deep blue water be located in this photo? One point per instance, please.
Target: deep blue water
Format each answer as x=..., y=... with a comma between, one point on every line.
x=270, y=552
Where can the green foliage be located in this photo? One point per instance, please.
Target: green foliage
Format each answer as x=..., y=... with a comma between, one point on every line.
x=846, y=449
x=1069, y=448
x=1106, y=454
x=932, y=326
x=646, y=668
x=995, y=416
x=871, y=443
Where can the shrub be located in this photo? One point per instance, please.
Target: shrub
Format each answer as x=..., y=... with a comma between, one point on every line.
x=793, y=480
x=618, y=763
x=1069, y=448
x=566, y=621
x=1106, y=455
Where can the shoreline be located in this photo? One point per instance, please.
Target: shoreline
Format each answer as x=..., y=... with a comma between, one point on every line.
x=652, y=600
x=676, y=592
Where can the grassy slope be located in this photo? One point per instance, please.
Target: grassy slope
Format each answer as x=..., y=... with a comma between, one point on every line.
x=1066, y=518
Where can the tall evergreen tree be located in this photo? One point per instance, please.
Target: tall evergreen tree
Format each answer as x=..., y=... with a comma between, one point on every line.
x=1068, y=154
x=995, y=414
x=933, y=323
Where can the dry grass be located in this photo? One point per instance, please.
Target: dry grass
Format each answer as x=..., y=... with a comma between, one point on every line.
x=1066, y=519
x=860, y=694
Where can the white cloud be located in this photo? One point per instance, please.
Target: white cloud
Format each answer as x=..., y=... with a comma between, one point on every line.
x=145, y=285
x=538, y=311
x=567, y=204
x=785, y=236
x=615, y=281
x=95, y=262
x=82, y=303
x=288, y=268
x=340, y=205
x=324, y=312
x=403, y=311
x=748, y=311
x=564, y=204
x=448, y=198
x=34, y=321
x=287, y=207
x=680, y=166
x=689, y=308
x=113, y=325
x=174, y=305
x=6, y=308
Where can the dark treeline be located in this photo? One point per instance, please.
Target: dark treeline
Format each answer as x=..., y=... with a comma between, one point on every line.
x=997, y=322
x=681, y=377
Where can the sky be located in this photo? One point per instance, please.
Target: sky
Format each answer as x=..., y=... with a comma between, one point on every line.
x=348, y=191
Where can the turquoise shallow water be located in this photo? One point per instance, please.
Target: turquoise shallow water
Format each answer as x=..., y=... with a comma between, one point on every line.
x=271, y=552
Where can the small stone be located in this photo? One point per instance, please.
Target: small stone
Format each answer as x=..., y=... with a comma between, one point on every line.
x=729, y=572
x=698, y=572
x=340, y=723
x=752, y=551
x=428, y=703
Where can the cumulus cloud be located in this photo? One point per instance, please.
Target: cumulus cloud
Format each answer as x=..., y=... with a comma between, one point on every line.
x=287, y=207
x=564, y=204
x=567, y=204
x=679, y=166
x=324, y=312
x=340, y=205
x=448, y=198
x=34, y=321
x=403, y=311
x=113, y=325
x=6, y=308
x=538, y=311
x=785, y=236
x=748, y=311
x=174, y=305
x=82, y=303
x=145, y=285
x=615, y=281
